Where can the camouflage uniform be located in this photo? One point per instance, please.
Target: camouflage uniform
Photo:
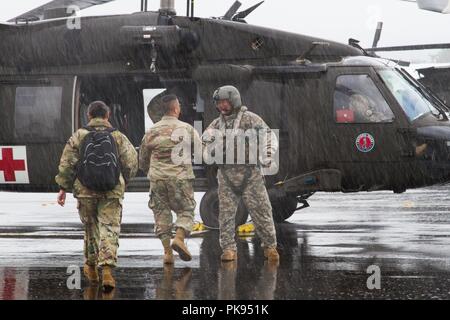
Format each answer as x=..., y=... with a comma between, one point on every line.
x=100, y=212
x=243, y=180
x=171, y=183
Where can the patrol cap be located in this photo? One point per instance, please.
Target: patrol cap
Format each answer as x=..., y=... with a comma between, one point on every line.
x=229, y=93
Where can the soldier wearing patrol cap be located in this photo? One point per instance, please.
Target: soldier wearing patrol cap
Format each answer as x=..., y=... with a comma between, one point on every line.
x=171, y=178
x=241, y=180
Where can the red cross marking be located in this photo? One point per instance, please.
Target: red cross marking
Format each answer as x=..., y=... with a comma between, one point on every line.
x=9, y=166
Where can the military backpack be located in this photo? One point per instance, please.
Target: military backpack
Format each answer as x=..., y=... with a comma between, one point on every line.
x=99, y=166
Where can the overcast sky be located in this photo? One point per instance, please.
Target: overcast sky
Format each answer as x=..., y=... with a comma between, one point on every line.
x=404, y=22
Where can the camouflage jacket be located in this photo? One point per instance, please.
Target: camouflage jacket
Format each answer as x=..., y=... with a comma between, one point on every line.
x=168, y=140
x=242, y=119
x=66, y=177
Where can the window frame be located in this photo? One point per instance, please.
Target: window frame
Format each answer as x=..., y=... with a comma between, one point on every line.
x=382, y=94
x=55, y=133
x=8, y=87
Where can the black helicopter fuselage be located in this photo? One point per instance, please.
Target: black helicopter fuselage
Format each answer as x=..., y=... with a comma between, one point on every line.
x=119, y=43
x=50, y=71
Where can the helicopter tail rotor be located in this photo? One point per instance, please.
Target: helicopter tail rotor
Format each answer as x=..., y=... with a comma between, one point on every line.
x=244, y=14
x=233, y=14
x=232, y=11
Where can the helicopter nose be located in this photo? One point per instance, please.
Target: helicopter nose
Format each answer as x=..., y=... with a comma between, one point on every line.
x=432, y=155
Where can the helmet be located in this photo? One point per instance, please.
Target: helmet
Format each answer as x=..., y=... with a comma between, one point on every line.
x=229, y=93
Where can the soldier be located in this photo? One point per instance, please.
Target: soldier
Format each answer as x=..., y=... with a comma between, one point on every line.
x=100, y=211
x=241, y=180
x=171, y=180
x=364, y=110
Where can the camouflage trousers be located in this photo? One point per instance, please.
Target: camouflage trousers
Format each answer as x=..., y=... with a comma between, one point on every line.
x=168, y=195
x=101, y=219
x=256, y=200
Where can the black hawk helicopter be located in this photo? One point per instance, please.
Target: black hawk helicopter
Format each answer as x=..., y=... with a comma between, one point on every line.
x=348, y=121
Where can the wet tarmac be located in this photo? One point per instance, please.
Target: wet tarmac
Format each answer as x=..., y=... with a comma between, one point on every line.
x=328, y=251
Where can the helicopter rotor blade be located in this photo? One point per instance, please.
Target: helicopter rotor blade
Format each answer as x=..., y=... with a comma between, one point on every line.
x=38, y=13
x=402, y=63
x=232, y=11
x=377, y=37
x=243, y=14
x=412, y=47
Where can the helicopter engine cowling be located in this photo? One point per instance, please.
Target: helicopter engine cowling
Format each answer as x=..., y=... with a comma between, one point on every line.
x=158, y=44
x=167, y=37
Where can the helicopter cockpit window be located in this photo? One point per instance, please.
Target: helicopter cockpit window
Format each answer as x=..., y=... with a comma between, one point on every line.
x=412, y=102
x=358, y=100
x=38, y=113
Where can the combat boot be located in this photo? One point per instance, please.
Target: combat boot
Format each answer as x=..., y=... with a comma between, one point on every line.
x=168, y=253
x=228, y=255
x=108, y=295
x=229, y=265
x=271, y=267
x=91, y=292
x=91, y=273
x=108, y=280
x=179, y=246
x=272, y=255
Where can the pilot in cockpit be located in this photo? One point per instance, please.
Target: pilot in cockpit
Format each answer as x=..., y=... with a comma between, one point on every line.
x=364, y=110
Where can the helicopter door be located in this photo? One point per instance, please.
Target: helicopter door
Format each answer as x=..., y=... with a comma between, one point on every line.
x=368, y=147
x=35, y=124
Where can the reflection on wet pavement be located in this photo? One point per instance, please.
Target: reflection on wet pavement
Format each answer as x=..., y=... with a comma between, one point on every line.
x=178, y=288
x=325, y=251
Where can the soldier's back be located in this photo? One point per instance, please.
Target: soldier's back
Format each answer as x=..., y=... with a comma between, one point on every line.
x=166, y=135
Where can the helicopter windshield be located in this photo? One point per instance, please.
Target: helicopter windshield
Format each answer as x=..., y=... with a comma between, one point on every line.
x=409, y=97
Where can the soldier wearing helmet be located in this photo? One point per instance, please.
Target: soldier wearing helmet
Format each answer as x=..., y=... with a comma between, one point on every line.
x=241, y=180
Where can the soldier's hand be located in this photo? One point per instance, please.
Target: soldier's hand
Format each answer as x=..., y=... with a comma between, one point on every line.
x=61, y=198
x=269, y=167
x=209, y=135
x=266, y=162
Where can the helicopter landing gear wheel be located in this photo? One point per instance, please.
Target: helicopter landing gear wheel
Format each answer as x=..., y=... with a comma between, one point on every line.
x=282, y=207
x=209, y=210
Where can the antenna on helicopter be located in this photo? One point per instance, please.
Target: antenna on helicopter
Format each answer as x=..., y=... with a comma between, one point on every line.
x=355, y=43
x=144, y=5
x=190, y=8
